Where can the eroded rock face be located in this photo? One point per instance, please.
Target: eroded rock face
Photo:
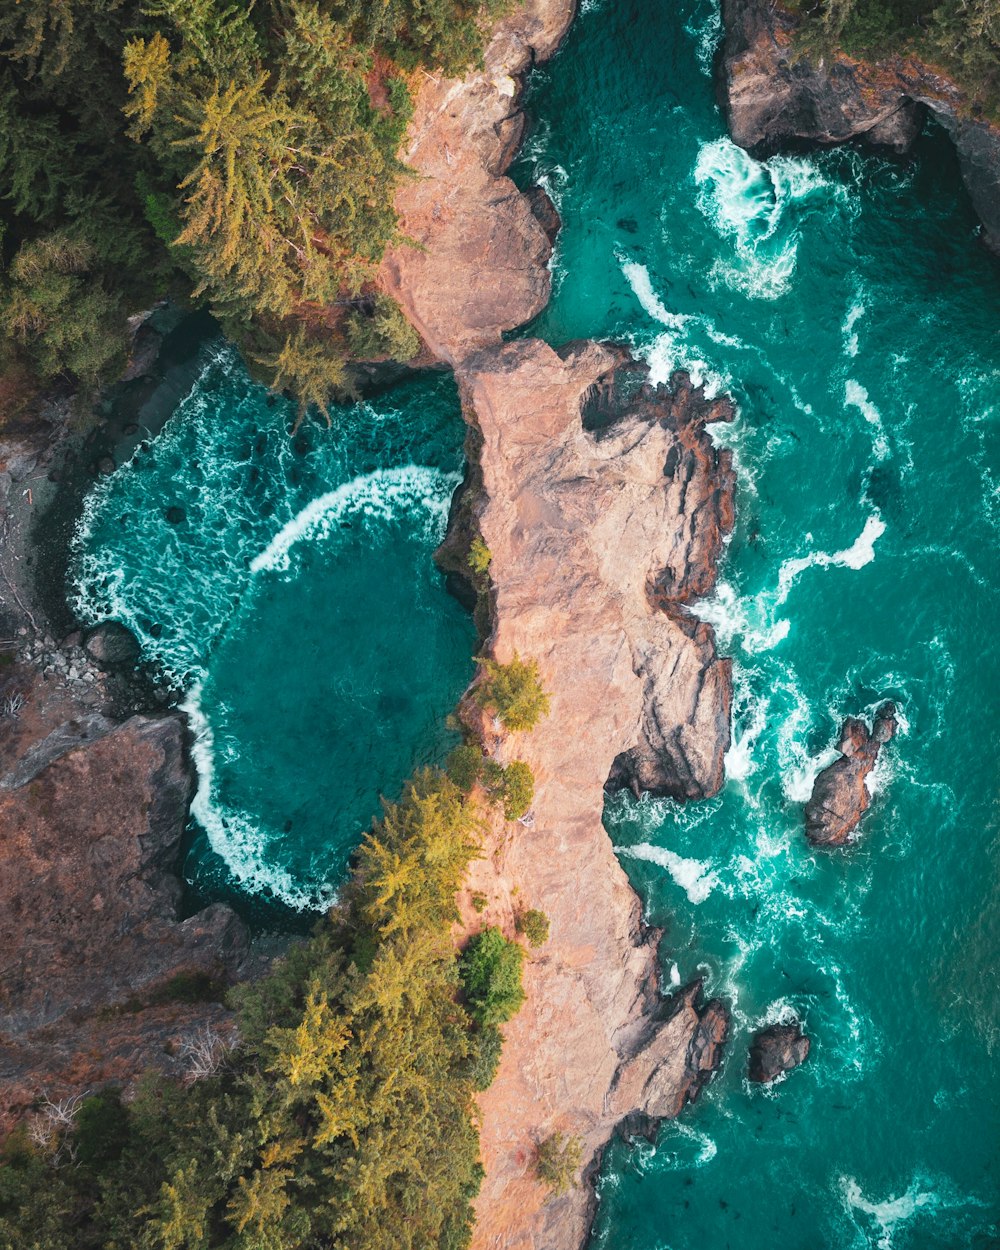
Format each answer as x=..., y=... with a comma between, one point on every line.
x=603, y=504
x=778, y=1049
x=89, y=849
x=840, y=796
x=483, y=266
x=774, y=97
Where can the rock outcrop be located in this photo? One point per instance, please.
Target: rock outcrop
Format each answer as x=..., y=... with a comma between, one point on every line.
x=840, y=795
x=482, y=266
x=777, y=1050
x=775, y=96
x=603, y=503
x=100, y=978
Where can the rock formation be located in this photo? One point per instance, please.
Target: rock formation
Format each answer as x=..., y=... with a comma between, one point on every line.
x=777, y=1050
x=840, y=796
x=774, y=96
x=603, y=503
x=100, y=979
x=483, y=264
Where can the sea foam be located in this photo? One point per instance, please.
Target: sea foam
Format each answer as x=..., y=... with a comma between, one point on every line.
x=694, y=876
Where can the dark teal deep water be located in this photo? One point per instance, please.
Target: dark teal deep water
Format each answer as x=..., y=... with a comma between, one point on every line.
x=842, y=299
x=288, y=585
x=844, y=302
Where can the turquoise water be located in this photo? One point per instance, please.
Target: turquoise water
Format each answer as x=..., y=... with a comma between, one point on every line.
x=844, y=302
x=287, y=585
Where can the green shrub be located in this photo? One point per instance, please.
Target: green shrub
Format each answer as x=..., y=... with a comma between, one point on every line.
x=479, y=902
x=484, y=1059
x=534, y=925
x=382, y=332
x=490, y=969
x=464, y=766
x=513, y=786
x=102, y=1129
x=513, y=692
x=479, y=556
x=518, y=789
x=558, y=1161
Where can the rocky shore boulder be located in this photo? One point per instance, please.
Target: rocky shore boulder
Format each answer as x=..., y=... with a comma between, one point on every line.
x=99, y=972
x=776, y=1050
x=840, y=795
x=774, y=96
x=111, y=645
x=681, y=1052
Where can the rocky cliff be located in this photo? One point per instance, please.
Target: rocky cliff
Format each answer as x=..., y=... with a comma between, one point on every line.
x=481, y=264
x=773, y=96
x=100, y=978
x=603, y=502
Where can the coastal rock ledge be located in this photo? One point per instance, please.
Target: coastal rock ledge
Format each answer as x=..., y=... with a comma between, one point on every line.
x=604, y=504
x=774, y=96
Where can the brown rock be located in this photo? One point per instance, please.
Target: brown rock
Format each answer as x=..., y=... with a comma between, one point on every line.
x=775, y=96
x=777, y=1050
x=89, y=844
x=840, y=796
x=483, y=267
x=603, y=504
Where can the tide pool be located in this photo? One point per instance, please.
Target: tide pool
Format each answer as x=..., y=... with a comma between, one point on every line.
x=842, y=299
x=287, y=585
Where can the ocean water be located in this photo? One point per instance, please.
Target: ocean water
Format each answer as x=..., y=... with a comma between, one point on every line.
x=843, y=300
x=287, y=586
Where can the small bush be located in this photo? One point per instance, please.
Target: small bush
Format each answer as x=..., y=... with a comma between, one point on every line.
x=518, y=789
x=534, y=925
x=479, y=902
x=102, y=1129
x=383, y=332
x=558, y=1161
x=487, y=1044
x=513, y=786
x=464, y=766
x=479, y=556
x=513, y=692
x=490, y=969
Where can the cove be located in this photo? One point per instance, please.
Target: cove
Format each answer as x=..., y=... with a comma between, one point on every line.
x=843, y=300
x=286, y=585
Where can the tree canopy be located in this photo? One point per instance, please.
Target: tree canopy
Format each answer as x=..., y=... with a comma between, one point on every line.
x=243, y=156
x=962, y=36
x=344, y=1117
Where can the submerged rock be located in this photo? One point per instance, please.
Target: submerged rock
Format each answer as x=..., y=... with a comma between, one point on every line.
x=840, y=796
x=775, y=96
x=776, y=1050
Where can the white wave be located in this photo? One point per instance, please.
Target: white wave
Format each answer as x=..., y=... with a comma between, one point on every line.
x=749, y=721
x=380, y=495
x=753, y=204
x=856, y=556
x=855, y=396
x=673, y=348
x=854, y=315
x=694, y=876
x=895, y=1213
x=706, y=33
x=241, y=842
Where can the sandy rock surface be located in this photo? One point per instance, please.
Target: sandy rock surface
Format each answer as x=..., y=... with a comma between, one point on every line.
x=590, y=530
